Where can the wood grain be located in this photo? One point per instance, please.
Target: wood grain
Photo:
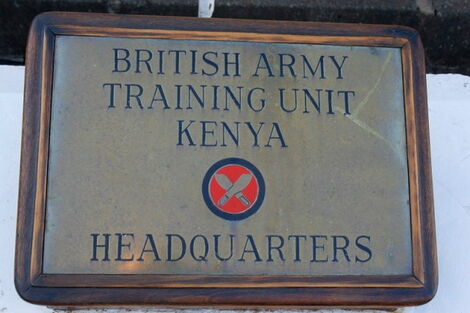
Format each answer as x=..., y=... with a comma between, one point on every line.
x=199, y=290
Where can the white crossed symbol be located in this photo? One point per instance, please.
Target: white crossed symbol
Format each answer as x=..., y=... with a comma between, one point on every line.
x=233, y=189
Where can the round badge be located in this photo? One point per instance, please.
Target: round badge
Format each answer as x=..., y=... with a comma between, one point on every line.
x=233, y=189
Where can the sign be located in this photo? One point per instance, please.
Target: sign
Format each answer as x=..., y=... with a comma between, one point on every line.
x=165, y=158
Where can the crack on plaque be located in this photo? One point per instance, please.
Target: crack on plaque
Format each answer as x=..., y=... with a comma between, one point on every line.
x=377, y=82
x=370, y=131
x=361, y=124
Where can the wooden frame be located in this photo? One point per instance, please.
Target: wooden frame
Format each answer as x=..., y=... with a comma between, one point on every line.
x=274, y=291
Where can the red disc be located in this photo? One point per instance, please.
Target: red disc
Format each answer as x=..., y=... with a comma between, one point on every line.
x=233, y=189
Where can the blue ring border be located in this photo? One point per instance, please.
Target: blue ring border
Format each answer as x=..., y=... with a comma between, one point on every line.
x=217, y=211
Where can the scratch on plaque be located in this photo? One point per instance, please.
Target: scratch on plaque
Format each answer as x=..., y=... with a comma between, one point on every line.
x=377, y=82
x=361, y=124
x=370, y=130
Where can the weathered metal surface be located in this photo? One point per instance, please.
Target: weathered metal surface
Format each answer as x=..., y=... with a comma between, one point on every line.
x=336, y=181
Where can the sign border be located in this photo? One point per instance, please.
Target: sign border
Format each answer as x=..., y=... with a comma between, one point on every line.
x=218, y=290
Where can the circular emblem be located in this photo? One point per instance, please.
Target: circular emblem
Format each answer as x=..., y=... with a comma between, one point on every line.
x=233, y=189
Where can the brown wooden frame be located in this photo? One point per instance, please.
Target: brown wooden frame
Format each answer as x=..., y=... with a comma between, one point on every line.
x=203, y=290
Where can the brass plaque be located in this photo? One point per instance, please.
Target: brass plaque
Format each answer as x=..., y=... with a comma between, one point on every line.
x=137, y=123
x=207, y=155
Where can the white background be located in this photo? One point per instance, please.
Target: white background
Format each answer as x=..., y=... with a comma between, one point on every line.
x=449, y=113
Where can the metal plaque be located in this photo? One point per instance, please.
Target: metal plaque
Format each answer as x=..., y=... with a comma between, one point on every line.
x=197, y=157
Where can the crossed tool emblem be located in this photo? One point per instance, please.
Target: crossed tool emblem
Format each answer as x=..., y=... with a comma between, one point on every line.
x=233, y=189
